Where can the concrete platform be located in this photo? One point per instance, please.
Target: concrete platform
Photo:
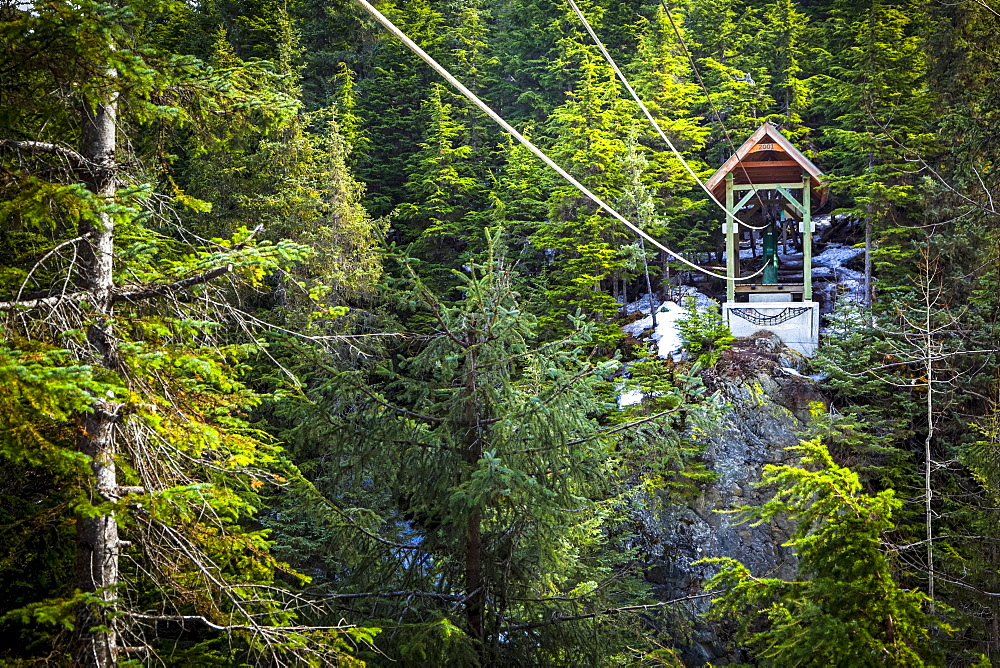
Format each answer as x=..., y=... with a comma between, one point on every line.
x=795, y=323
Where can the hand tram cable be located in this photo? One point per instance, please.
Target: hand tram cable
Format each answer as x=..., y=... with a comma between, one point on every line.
x=652, y=121
x=472, y=97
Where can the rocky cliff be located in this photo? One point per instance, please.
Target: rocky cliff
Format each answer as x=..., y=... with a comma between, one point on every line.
x=770, y=404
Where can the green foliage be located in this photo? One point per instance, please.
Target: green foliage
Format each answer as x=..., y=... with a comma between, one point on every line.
x=876, y=416
x=879, y=113
x=440, y=219
x=519, y=203
x=161, y=360
x=703, y=332
x=486, y=444
x=661, y=451
x=592, y=129
x=390, y=100
x=983, y=456
x=845, y=608
x=39, y=392
x=255, y=134
x=40, y=389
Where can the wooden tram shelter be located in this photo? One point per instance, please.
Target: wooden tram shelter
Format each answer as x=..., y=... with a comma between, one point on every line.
x=768, y=183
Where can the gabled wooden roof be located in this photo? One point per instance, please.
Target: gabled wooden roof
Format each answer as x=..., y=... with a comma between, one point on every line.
x=767, y=157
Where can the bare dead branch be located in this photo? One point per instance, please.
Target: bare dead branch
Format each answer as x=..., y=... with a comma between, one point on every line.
x=134, y=296
x=558, y=619
x=168, y=288
x=398, y=594
x=46, y=256
x=235, y=627
x=44, y=147
x=28, y=304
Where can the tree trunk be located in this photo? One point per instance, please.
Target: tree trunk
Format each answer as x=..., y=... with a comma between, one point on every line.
x=994, y=645
x=665, y=283
x=866, y=296
x=649, y=283
x=97, y=537
x=473, y=452
x=474, y=575
x=930, y=353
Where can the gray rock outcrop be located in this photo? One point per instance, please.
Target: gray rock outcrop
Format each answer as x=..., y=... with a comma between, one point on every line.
x=769, y=406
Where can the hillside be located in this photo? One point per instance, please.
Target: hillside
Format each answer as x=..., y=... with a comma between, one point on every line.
x=307, y=360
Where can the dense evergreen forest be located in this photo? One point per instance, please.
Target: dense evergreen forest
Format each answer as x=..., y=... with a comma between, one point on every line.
x=306, y=362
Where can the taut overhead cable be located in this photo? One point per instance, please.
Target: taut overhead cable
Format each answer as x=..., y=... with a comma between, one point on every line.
x=704, y=88
x=652, y=121
x=472, y=97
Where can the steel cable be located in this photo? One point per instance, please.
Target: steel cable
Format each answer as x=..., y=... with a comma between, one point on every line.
x=472, y=97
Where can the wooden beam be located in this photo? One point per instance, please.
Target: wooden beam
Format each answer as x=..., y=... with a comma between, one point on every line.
x=746, y=198
x=766, y=138
x=766, y=186
x=765, y=146
x=807, y=280
x=754, y=164
x=791, y=200
x=732, y=249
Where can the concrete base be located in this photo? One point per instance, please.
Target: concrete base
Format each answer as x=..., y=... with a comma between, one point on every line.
x=795, y=323
x=769, y=297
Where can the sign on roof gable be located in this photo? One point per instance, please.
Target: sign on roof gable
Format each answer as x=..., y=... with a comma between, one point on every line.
x=767, y=157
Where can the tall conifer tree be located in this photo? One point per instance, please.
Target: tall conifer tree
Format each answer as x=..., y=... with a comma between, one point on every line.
x=496, y=480
x=441, y=218
x=591, y=131
x=108, y=294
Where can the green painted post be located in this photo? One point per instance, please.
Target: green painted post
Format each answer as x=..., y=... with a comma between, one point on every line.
x=731, y=248
x=807, y=240
x=770, y=252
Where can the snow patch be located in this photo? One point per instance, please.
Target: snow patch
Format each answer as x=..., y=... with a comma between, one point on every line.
x=834, y=255
x=644, y=304
x=667, y=334
x=630, y=398
x=680, y=294
x=639, y=326
x=849, y=283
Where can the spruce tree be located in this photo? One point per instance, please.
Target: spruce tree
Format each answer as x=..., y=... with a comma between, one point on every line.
x=591, y=131
x=722, y=38
x=441, y=217
x=519, y=203
x=680, y=214
x=845, y=608
x=488, y=482
x=391, y=97
x=879, y=112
